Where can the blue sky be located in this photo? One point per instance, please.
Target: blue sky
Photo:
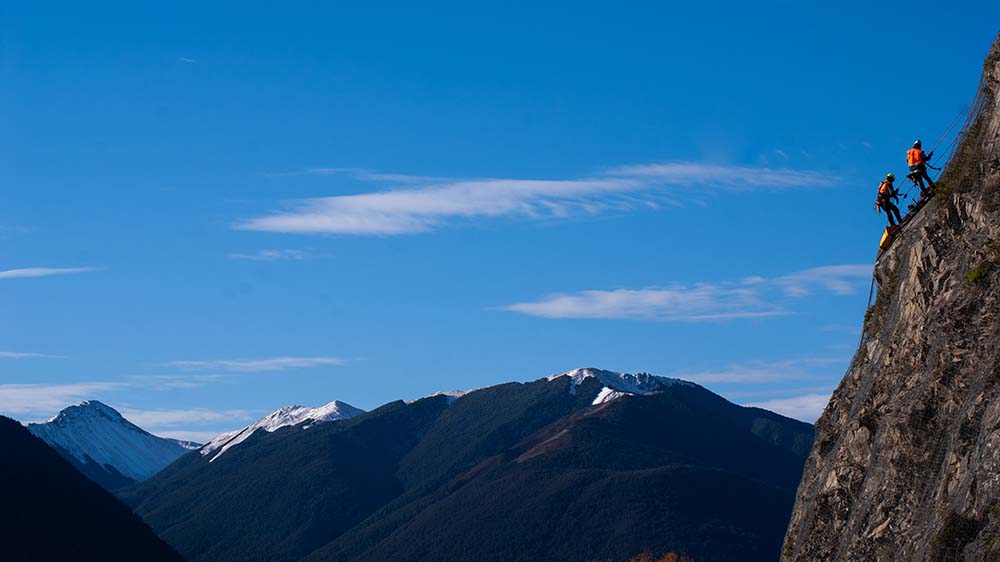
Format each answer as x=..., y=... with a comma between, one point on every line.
x=207, y=212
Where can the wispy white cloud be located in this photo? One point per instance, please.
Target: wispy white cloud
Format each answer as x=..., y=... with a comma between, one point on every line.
x=839, y=279
x=730, y=178
x=256, y=365
x=438, y=202
x=754, y=393
x=46, y=399
x=21, y=399
x=678, y=303
x=759, y=372
x=164, y=418
x=361, y=174
x=751, y=297
x=38, y=402
x=404, y=211
x=38, y=399
x=25, y=355
x=807, y=407
x=187, y=60
x=43, y=271
x=272, y=255
x=185, y=435
x=175, y=382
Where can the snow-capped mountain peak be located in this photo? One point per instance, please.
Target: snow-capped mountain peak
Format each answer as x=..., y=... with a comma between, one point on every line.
x=88, y=409
x=95, y=431
x=451, y=395
x=617, y=384
x=284, y=416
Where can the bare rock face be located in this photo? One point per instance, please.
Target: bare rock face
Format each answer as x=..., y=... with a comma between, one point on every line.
x=906, y=462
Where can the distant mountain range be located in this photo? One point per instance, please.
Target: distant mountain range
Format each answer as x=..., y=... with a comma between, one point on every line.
x=51, y=512
x=106, y=447
x=589, y=464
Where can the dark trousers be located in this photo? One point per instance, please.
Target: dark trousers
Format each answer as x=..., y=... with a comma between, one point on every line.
x=919, y=173
x=890, y=209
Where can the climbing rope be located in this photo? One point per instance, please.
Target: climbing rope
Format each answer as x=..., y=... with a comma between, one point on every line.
x=955, y=121
x=946, y=154
x=972, y=110
x=871, y=291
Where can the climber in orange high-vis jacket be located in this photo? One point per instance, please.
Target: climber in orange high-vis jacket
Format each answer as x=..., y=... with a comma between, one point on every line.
x=886, y=193
x=916, y=159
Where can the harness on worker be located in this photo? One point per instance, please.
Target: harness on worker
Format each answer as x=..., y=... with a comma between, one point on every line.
x=886, y=196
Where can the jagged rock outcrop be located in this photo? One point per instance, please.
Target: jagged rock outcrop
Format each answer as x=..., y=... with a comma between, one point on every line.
x=906, y=462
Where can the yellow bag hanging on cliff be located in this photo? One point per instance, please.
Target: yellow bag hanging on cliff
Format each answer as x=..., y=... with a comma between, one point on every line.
x=887, y=237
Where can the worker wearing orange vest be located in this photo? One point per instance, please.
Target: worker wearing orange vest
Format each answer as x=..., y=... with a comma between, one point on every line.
x=916, y=159
x=886, y=193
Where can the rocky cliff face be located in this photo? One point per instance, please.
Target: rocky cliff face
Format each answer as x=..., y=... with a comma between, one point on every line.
x=906, y=462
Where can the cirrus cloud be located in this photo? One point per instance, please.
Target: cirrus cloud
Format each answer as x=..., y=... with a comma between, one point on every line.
x=26, y=355
x=27, y=272
x=751, y=297
x=431, y=203
x=271, y=255
x=678, y=303
x=21, y=399
x=258, y=365
x=762, y=372
x=807, y=407
x=163, y=417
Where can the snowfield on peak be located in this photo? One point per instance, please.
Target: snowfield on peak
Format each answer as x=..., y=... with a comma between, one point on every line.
x=452, y=395
x=616, y=384
x=95, y=430
x=282, y=417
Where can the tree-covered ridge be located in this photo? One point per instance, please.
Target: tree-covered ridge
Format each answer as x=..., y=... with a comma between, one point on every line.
x=649, y=557
x=53, y=512
x=531, y=472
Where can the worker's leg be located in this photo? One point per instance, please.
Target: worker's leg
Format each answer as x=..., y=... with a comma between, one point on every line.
x=923, y=174
x=918, y=174
x=888, y=207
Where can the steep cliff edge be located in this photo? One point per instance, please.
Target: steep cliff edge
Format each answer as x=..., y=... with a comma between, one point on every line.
x=906, y=462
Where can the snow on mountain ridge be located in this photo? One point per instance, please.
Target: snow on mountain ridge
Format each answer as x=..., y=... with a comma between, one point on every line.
x=617, y=384
x=284, y=416
x=451, y=395
x=84, y=410
x=95, y=430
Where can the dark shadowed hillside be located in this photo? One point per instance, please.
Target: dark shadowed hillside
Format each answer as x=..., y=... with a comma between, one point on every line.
x=681, y=469
x=52, y=512
x=548, y=470
x=279, y=496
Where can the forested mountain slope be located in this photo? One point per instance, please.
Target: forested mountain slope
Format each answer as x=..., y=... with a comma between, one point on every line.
x=50, y=511
x=581, y=465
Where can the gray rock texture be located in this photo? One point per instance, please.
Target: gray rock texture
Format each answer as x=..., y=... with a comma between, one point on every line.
x=906, y=462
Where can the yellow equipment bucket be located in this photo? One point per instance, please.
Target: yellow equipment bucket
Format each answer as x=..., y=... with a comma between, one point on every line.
x=887, y=236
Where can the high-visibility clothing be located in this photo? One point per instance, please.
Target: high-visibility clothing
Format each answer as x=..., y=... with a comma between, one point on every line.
x=915, y=156
x=885, y=189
